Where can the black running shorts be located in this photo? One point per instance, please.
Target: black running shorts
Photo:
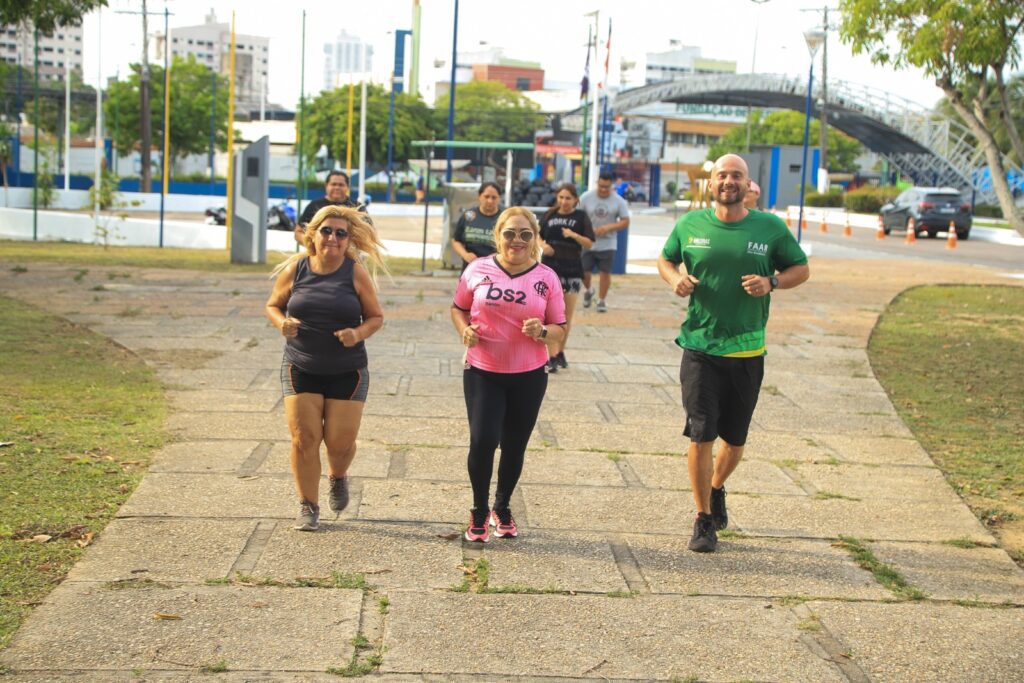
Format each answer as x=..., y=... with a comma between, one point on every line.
x=348, y=386
x=719, y=395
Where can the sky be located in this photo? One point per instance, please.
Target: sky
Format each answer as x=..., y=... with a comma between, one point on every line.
x=763, y=37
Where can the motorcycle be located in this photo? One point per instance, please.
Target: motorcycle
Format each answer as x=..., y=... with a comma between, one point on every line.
x=280, y=216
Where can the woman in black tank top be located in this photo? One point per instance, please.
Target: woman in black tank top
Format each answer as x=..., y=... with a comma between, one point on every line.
x=325, y=304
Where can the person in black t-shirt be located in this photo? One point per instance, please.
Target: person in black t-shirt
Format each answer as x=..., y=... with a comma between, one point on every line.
x=565, y=232
x=474, y=233
x=336, y=188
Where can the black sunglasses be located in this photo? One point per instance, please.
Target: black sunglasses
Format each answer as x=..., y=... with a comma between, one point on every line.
x=523, y=235
x=340, y=233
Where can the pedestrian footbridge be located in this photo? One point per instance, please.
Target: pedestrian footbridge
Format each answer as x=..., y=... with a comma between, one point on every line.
x=922, y=144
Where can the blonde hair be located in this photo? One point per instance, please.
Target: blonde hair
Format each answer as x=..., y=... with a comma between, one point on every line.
x=364, y=245
x=512, y=212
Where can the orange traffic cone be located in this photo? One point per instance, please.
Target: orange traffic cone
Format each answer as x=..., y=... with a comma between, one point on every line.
x=951, y=239
x=847, y=230
x=911, y=231
x=789, y=220
x=880, y=235
x=824, y=225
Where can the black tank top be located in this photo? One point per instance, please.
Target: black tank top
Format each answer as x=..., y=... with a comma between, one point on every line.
x=324, y=304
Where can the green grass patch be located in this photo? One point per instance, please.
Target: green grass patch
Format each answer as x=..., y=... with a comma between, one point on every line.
x=218, y=260
x=220, y=666
x=365, y=659
x=81, y=417
x=885, y=574
x=831, y=495
x=949, y=358
x=963, y=543
x=335, y=580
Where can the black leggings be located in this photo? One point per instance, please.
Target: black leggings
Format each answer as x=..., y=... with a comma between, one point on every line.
x=502, y=409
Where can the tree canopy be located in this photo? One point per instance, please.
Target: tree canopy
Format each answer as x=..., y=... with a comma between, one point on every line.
x=326, y=123
x=962, y=44
x=490, y=111
x=787, y=128
x=191, y=102
x=47, y=15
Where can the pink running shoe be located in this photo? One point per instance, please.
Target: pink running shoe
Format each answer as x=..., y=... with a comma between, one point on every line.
x=477, y=529
x=504, y=525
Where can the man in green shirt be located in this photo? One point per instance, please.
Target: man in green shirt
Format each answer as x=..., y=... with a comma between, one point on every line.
x=727, y=259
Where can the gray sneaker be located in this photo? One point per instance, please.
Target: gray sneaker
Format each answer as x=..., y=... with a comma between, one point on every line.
x=309, y=517
x=339, y=493
x=602, y=307
x=588, y=296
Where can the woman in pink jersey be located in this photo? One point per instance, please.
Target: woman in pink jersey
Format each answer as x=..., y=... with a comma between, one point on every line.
x=507, y=309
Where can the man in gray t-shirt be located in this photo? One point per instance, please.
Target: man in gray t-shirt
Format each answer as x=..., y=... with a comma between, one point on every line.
x=608, y=213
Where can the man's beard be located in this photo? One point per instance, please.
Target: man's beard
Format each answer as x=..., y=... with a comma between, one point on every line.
x=737, y=197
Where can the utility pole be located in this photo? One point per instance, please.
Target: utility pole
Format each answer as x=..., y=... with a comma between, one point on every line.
x=823, y=108
x=145, y=126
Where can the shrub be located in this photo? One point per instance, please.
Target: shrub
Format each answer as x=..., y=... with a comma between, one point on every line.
x=869, y=199
x=832, y=198
x=45, y=191
x=988, y=211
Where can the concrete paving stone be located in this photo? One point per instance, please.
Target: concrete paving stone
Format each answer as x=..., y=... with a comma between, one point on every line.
x=416, y=406
x=222, y=400
x=439, y=464
x=785, y=375
x=585, y=355
x=219, y=378
x=213, y=496
x=796, y=419
x=203, y=456
x=621, y=438
x=582, y=636
x=665, y=417
x=580, y=410
x=577, y=371
x=217, y=623
x=164, y=550
x=451, y=349
x=415, y=431
x=947, y=572
x=404, y=365
x=864, y=482
x=570, y=468
x=639, y=358
x=634, y=374
x=590, y=389
x=916, y=642
x=875, y=450
x=409, y=500
x=749, y=567
x=164, y=342
x=751, y=476
x=436, y=386
x=608, y=509
x=889, y=520
x=195, y=426
x=421, y=556
x=372, y=460
x=554, y=560
x=779, y=447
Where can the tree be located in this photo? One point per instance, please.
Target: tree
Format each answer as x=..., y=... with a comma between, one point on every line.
x=787, y=128
x=190, y=105
x=490, y=111
x=326, y=123
x=959, y=43
x=47, y=15
x=994, y=115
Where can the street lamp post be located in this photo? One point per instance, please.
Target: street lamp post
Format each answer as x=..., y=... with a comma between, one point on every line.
x=397, y=83
x=451, y=95
x=814, y=40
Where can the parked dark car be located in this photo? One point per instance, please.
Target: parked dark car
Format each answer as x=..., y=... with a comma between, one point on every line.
x=932, y=208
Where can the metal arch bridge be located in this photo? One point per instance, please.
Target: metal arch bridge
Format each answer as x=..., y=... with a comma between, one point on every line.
x=923, y=145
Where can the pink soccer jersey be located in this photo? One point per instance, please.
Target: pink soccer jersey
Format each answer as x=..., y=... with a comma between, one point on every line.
x=499, y=303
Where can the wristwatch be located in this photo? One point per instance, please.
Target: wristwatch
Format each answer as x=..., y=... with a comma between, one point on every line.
x=543, y=332
x=773, y=281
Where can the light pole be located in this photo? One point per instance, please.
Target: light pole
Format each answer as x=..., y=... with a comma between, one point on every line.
x=451, y=96
x=397, y=83
x=814, y=38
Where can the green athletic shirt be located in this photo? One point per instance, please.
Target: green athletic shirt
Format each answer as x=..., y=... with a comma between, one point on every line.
x=722, y=319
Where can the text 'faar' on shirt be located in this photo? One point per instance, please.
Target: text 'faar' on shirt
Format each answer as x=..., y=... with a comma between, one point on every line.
x=722, y=319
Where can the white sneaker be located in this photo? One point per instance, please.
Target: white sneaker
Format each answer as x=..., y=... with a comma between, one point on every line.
x=588, y=296
x=602, y=307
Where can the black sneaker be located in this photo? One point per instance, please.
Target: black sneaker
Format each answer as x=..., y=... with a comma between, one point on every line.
x=718, y=511
x=552, y=365
x=704, y=540
x=560, y=359
x=339, y=493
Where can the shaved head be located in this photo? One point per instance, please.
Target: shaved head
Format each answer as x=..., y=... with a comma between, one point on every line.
x=731, y=161
x=730, y=180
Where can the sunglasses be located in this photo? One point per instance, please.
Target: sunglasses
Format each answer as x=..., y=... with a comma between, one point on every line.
x=523, y=235
x=340, y=233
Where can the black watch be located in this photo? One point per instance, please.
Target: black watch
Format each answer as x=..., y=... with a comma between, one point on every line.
x=774, y=282
x=543, y=332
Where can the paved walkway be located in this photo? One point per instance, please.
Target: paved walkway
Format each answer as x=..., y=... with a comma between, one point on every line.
x=599, y=586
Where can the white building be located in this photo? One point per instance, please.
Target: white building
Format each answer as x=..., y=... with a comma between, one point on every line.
x=681, y=61
x=347, y=56
x=210, y=43
x=65, y=45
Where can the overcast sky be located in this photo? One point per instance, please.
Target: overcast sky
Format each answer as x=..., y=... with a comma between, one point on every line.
x=766, y=37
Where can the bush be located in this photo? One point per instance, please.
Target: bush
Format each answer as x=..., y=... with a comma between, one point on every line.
x=45, y=191
x=988, y=211
x=832, y=198
x=869, y=199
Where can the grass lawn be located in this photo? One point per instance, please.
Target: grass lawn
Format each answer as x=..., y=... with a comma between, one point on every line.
x=79, y=418
x=950, y=359
x=75, y=253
